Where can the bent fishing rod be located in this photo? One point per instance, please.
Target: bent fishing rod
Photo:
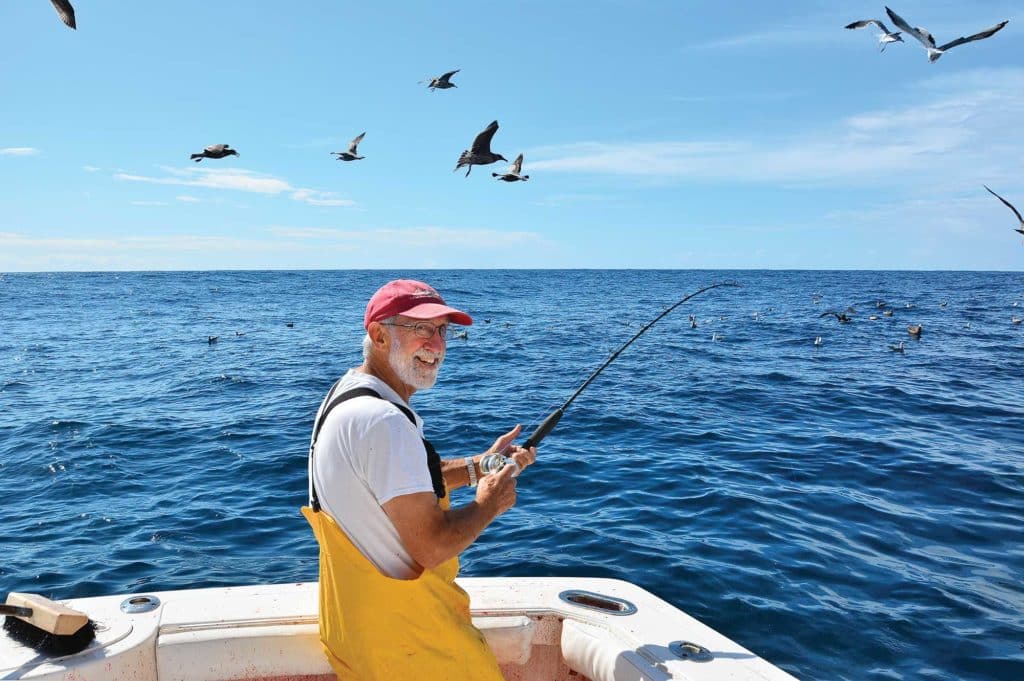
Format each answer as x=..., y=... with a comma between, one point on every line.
x=554, y=417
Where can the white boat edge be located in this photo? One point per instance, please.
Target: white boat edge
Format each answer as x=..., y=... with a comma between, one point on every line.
x=559, y=628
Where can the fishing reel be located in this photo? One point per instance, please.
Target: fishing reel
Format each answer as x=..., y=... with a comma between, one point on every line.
x=492, y=463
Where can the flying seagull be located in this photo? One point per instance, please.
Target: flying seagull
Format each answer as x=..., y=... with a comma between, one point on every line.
x=480, y=153
x=928, y=41
x=1010, y=206
x=841, y=316
x=65, y=11
x=514, y=173
x=350, y=155
x=215, y=151
x=884, y=38
x=442, y=82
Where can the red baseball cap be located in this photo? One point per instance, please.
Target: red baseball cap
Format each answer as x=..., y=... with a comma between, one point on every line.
x=412, y=299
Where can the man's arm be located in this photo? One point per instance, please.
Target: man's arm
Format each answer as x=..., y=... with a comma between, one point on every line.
x=432, y=536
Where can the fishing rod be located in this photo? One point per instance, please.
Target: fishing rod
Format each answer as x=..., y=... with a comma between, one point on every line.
x=554, y=417
x=492, y=463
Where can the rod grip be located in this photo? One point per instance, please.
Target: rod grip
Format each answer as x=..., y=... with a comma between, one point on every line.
x=544, y=428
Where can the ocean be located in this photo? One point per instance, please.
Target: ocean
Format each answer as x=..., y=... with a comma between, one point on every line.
x=844, y=510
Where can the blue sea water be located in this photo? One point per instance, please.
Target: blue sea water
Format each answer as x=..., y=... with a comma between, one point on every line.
x=845, y=511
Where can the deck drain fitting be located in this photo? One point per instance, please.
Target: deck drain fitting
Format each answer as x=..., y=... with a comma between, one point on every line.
x=599, y=602
x=685, y=650
x=139, y=604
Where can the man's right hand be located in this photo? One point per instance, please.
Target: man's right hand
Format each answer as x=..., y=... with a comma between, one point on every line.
x=497, y=492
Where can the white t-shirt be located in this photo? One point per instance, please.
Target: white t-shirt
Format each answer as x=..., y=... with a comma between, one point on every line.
x=367, y=453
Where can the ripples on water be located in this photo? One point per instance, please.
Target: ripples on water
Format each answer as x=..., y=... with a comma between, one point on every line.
x=845, y=511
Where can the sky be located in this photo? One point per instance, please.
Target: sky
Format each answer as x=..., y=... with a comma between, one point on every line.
x=676, y=135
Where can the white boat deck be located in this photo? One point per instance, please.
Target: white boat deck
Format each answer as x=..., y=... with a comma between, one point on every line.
x=556, y=629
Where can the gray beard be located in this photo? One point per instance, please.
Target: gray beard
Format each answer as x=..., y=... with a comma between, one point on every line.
x=408, y=372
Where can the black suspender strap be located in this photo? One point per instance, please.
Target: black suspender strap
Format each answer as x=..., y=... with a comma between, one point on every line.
x=433, y=458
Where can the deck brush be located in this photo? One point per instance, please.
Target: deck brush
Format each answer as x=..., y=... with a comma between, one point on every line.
x=47, y=627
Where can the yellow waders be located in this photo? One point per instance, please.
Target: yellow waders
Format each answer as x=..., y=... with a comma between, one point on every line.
x=376, y=628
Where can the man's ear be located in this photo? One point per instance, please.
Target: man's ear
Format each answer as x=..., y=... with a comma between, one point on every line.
x=378, y=334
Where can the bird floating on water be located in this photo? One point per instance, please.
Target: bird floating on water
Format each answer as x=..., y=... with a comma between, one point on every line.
x=65, y=11
x=693, y=322
x=817, y=341
x=215, y=151
x=1020, y=228
x=914, y=331
x=351, y=154
x=1015, y=320
x=884, y=38
x=926, y=39
x=442, y=82
x=841, y=316
x=898, y=347
x=887, y=313
x=514, y=173
x=480, y=153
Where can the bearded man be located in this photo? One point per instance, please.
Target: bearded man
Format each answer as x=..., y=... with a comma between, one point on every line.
x=381, y=511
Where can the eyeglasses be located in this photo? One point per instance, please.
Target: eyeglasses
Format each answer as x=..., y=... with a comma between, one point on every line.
x=424, y=330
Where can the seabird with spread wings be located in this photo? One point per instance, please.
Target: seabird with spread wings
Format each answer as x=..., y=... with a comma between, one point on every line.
x=1009, y=205
x=926, y=39
x=884, y=38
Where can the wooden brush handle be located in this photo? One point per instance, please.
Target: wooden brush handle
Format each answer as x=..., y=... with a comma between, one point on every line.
x=47, y=615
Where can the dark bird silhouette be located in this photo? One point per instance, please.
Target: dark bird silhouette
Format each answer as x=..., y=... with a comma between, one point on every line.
x=914, y=331
x=884, y=38
x=514, y=173
x=215, y=151
x=480, y=153
x=351, y=154
x=442, y=82
x=1020, y=229
x=211, y=339
x=841, y=316
x=926, y=39
x=65, y=11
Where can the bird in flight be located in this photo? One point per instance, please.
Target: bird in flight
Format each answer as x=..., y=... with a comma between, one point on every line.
x=841, y=316
x=350, y=155
x=1020, y=229
x=65, y=11
x=442, y=82
x=480, y=153
x=926, y=39
x=215, y=151
x=884, y=38
x=514, y=173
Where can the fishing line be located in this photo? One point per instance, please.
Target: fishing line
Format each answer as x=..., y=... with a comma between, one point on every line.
x=555, y=416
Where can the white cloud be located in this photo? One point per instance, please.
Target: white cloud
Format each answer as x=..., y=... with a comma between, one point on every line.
x=237, y=180
x=318, y=198
x=187, y=199
x=960, y=129
x=91, y=169
x=19, y=151
x=415, y=237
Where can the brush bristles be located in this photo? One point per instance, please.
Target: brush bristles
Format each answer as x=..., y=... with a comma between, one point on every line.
x=46, y=643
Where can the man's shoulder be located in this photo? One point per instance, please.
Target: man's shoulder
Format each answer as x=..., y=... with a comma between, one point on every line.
x=374, y=408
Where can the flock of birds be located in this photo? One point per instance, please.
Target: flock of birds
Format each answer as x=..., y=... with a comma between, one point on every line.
x=479, y=153
x=914, y=330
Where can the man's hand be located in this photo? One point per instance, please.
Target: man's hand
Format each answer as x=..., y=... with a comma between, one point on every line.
x=497, y=492
x=503, y=445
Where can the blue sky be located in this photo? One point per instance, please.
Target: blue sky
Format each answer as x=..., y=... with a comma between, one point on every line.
x=656, y=135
